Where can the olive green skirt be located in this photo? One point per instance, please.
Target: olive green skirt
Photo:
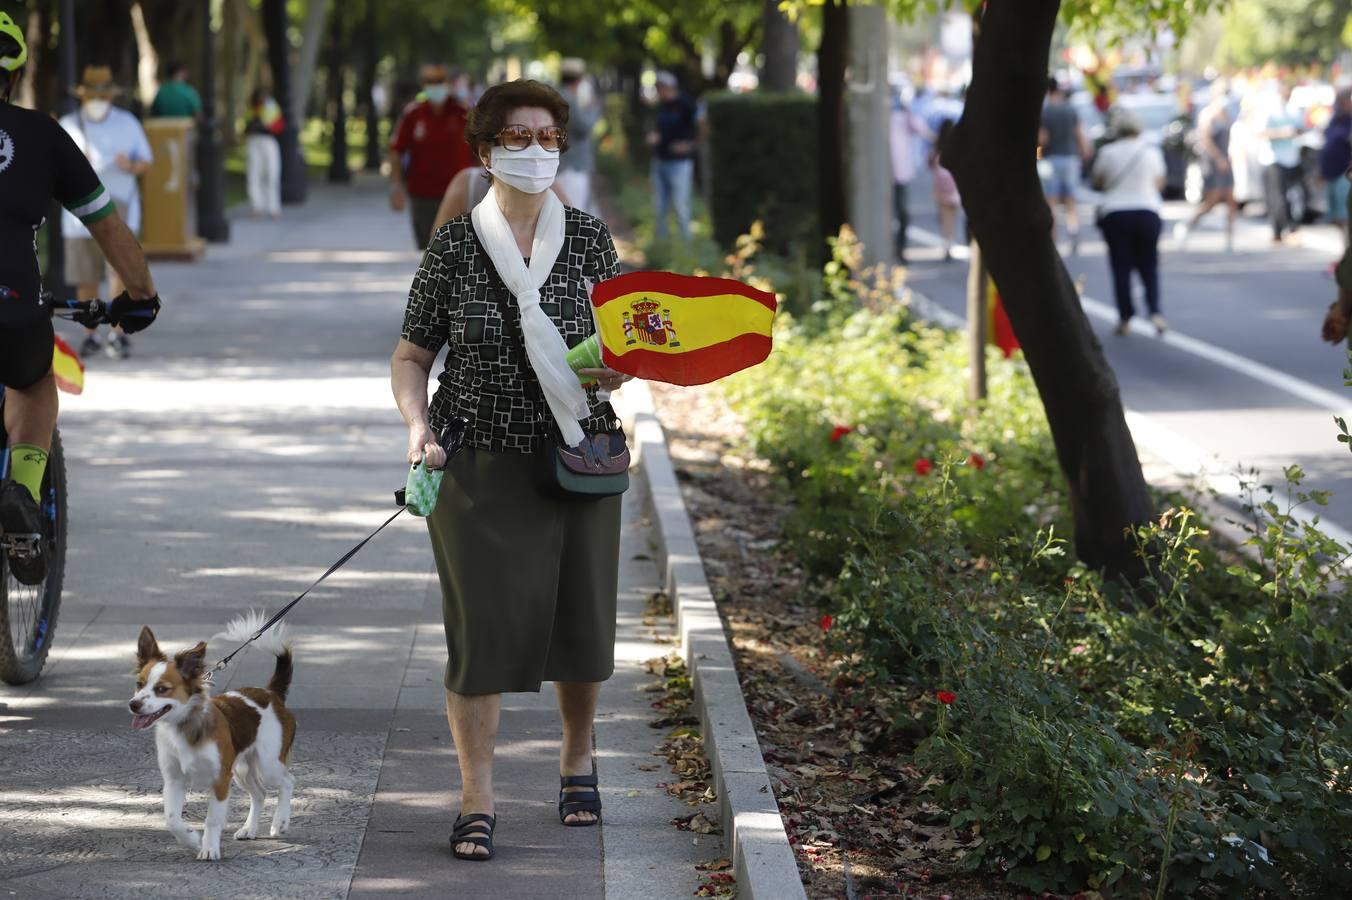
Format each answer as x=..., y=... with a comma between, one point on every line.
x=528, y=582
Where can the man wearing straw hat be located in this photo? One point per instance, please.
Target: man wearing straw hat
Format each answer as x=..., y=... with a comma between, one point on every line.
x=116, y=146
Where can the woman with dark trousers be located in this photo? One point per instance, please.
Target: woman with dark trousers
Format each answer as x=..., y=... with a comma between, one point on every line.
x=1130, y=173
x=528, y=580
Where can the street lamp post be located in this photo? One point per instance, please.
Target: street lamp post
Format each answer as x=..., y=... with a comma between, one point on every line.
x=211, y=221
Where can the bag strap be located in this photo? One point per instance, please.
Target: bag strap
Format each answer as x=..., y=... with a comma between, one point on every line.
x=1122, y=172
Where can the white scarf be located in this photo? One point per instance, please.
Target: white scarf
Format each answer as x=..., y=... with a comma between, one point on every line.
x=545, y=347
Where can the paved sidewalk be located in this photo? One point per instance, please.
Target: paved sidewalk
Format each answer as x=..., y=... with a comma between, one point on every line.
x=249, y=441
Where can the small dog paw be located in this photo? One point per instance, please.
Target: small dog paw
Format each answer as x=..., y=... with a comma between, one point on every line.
x=190, y=839
x=208, y=852
x=279, y=828
x=246, y=834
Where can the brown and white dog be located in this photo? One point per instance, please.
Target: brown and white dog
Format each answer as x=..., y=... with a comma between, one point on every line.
x=203, y=740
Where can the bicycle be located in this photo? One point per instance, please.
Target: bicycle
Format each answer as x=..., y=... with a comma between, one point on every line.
x=28, y=613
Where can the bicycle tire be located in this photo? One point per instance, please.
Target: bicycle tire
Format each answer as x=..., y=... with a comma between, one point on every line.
x=28, y=613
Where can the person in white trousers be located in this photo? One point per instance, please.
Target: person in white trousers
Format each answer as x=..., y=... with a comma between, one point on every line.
x=264, y=155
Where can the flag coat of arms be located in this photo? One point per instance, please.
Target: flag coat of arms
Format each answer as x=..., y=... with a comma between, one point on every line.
x=681, y=329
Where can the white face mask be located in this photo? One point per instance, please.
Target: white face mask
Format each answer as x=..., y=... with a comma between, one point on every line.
x=437, y=93
x=97, y=109
x=531, y=170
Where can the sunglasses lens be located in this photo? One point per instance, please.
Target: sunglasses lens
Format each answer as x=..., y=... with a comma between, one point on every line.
x=515, y=137
x=553, y=138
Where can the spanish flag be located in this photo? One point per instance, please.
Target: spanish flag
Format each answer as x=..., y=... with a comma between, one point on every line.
x=998, y=329
x=67, y=368
x=681, y=329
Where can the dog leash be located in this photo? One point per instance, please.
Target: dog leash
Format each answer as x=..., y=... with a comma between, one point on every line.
x=342, y=561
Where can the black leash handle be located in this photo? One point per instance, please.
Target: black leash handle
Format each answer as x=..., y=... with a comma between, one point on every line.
x=342, y=561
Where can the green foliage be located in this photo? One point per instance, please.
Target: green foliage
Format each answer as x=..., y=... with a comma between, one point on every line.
x=1288, y=31
x=1193, y=740
x=763, y=156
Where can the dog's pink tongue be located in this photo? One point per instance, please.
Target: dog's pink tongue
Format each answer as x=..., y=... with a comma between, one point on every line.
x=141, y=721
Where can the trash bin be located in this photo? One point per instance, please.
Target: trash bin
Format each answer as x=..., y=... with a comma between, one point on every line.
x=169, y=192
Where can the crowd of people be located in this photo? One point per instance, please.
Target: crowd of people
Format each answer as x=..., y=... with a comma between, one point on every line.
x=1284, y=145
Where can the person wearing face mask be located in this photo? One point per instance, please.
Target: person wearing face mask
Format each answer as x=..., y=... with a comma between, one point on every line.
x=528, y=580
x=116, y=146
x=429, y=148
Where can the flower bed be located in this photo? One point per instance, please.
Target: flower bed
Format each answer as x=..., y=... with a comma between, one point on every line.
x=1191, y=739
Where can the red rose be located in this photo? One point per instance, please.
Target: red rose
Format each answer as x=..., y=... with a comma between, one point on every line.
x=976, y=461
x=923, y=466
x=946, y=697
x=839, y=432
x=826, y=621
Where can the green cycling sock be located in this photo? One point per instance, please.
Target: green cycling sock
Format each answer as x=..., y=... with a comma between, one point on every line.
x=27, y=462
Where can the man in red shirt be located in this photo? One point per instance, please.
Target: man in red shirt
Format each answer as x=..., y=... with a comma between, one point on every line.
x=428, y=149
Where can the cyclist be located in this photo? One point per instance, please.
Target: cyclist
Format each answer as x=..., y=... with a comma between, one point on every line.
x=39, y=162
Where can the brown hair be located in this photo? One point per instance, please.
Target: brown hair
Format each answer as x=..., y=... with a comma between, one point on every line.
x=489, y=115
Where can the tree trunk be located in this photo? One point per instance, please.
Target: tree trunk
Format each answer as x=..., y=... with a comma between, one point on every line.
x=779, y=43
x=339, y=173
x=831, y=60
x=992, y=155
x=311, y=37
x=367, y=101
x=279, y=57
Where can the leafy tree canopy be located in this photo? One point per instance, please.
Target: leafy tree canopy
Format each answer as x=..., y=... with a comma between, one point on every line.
x=1286, y=31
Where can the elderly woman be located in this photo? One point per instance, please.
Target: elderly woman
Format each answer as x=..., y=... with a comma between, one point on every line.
x=528, y=581
x=1130, y=173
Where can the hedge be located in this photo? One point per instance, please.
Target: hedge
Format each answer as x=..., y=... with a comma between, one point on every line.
x=763, y=162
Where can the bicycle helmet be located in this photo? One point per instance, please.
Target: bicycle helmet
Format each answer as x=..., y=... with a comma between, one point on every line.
x=13, y=49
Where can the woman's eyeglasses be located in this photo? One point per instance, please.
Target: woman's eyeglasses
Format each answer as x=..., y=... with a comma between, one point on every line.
x=518, y=137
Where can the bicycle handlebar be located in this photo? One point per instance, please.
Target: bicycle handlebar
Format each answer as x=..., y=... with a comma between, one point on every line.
x=87, y=312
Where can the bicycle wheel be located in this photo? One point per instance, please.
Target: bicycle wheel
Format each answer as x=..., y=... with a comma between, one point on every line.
x=28, y=612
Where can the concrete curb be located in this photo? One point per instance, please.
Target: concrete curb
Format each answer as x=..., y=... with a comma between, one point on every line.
x=763, y=862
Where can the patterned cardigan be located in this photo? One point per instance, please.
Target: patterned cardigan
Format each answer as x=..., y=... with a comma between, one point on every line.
x=457, y=298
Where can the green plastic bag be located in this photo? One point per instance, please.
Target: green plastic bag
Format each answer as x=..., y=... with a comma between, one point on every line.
x=421, y=489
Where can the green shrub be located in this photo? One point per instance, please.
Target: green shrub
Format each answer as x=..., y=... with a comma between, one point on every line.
x=763, y=157
x=1195, y=745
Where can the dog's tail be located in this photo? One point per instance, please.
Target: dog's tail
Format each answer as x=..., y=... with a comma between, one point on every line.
x=274, y=640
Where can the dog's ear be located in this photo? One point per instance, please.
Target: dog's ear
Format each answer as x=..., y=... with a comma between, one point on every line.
x=191, y=662
x=147, y=649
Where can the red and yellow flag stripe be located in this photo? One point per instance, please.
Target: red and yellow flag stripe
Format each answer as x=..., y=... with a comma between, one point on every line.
x=682, y=329
x=67, y=368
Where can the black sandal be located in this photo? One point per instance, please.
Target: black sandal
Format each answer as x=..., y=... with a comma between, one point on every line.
x=476, y=829
x=573, y=802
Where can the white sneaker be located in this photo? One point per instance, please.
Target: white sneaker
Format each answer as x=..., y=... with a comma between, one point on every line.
x=1161, y=326
x=1181, y=232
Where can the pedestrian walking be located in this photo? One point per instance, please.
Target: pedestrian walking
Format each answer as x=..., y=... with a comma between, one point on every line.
x=263, y=154
x=1279, y=154
x=1218, y=174
x=907, y=132
x=1130, y=173
x=675, y=140
x=1336, y=156
x=577, y=165
x=1066, y=150
x=946, y=198
x=468, y=189
x=176, y=99
x=116, y=146
x=511, y=626
x=428, y=149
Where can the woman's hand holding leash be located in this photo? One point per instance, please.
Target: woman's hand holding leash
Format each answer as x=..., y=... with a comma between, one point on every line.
x=424, y=446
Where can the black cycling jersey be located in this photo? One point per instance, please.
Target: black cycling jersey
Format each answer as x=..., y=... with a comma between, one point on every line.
x=38, y=163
